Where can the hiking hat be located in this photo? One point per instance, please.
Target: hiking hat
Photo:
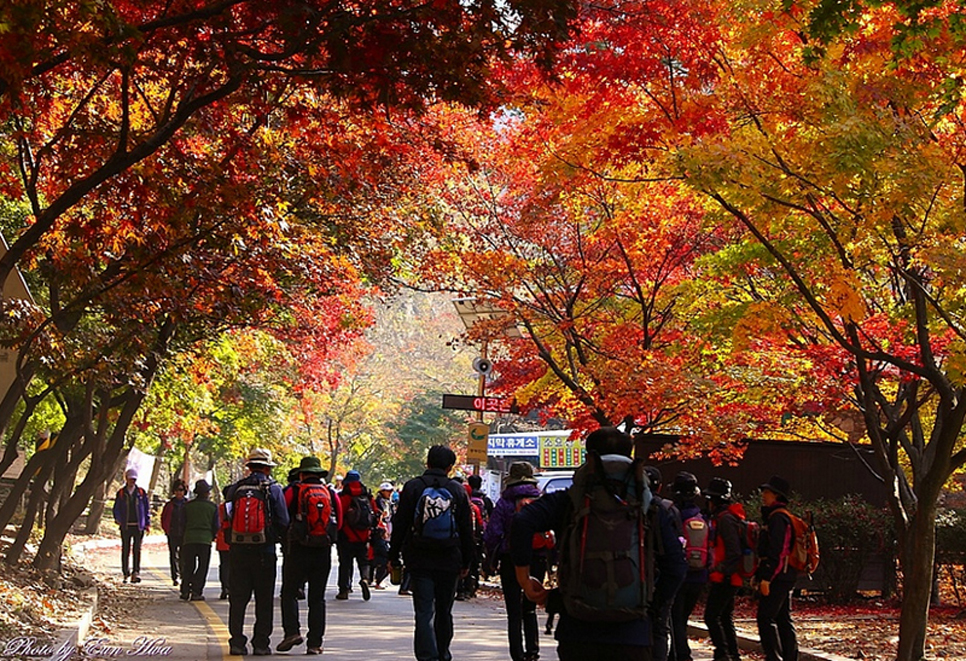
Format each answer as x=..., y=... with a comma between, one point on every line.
x=352, y=476
x=202, y=487
x=685, y=484
x=385, y=486
x=718, y=487
x=521, y=472
x=131, y=472
x=653, y=478
x=260, y=457
x=778, y=486
x=312, y=465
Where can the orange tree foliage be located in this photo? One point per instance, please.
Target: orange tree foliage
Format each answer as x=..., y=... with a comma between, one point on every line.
x=841, y=285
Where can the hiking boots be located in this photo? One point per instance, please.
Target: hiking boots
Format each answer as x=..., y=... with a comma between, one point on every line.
x=135, y=577
x=289, y=642
x=364, y=584
x=343, y=595
x=313, y=650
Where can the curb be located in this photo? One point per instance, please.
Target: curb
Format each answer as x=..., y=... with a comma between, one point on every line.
x=752, y=643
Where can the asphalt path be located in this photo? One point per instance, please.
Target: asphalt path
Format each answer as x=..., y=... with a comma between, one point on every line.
x=162, y=626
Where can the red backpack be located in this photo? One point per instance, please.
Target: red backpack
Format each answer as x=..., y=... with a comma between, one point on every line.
x=313, y=516
x=542, y=541
x=249, y=513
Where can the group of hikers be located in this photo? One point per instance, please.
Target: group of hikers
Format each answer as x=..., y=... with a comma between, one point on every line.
x=619, y=566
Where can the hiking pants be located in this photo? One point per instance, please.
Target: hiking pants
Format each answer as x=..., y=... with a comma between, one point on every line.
x=684, y=603
x=131, y=538
x=195, y=559
x=775, y=628
x=434, y=592
x=719, y=617
x=174, y=556
x=522, y=629
x=252, y=572
x=349, y=551
x=312, y=565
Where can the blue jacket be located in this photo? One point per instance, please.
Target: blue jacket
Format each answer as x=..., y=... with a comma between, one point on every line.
x=140, y=498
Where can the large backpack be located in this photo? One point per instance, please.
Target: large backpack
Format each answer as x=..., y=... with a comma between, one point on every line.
x=250, y=517
x=542, y=541
x=434, y=523
x=804, y=555
x=606, y=569
x=697, y=542
x=360, y=515
x=313, y=515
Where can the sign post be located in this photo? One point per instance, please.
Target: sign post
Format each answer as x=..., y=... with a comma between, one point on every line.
x=478, y=437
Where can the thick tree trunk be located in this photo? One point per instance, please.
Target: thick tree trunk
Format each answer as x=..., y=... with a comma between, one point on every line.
x=917, y=548
x=96, y=510
x=37, y=494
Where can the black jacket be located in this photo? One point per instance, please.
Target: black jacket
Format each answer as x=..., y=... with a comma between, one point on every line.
x=774, y=545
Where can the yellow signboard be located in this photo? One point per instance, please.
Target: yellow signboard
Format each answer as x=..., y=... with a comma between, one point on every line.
x=560, y=452
x=478, y=435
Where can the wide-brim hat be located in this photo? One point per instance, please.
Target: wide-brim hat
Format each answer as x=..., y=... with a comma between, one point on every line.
x=260, y=457
x=312, y=465
x=685, y=484
x=777, y=485
x=718, y=487
x=521, y=472
x=202, y=487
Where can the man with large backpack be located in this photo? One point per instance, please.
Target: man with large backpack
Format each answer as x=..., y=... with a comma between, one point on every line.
x=433, y=533
x=776, y=576
x=315, y=515
x=620, y=557
x=258, y=521
x=358, y=521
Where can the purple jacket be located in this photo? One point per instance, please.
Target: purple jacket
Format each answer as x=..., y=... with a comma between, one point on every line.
x=142, y=504
x=496, y=539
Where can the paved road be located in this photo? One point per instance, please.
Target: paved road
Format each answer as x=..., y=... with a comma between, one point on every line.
x=163, y=626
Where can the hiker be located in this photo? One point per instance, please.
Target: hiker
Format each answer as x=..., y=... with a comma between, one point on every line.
x=697, y=545
x=469, y=584
x=661, y=619
x=132, y=513
x=358, y=520
x=599, y=524
x=479, y=496
x=201, y=526
x=258, y=521
x=433, y=533
x=521, y=614
x=776, y=577
x=172, y=523
x=315, y=517
x=222, y=545
x=726, y=522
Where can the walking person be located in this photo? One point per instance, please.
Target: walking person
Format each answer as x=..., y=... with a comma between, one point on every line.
x=258, y=521
x=604, y=524
x=697, y=535
x=201, y=526
x=523, y=632
x=432, y=531
x=776, y=577
x=315, y=515
x=222, y=545
x=132, y=513
x=661, y=619
x=358, y=520
x=726, y=517
x=172, y=523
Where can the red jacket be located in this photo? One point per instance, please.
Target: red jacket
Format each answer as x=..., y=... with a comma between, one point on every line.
x=726, y=552
x=349, y=491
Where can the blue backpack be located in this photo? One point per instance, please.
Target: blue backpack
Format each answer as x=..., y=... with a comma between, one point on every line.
x=434, y=523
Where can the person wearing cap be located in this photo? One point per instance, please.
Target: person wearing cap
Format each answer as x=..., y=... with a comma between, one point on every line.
x=435, y=567
x=685, y=493
x=580, y=639
x=201, y=526
x=775, y=577
x=307, y=564
x=253, y=565
x=521, y=613
x=172, y=523
x=353, y=543
x=132, y=513
x=726, y=517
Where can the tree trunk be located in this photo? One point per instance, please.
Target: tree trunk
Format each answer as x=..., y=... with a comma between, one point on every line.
x=917, y=548
x=37, y=493
x=96, y=511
